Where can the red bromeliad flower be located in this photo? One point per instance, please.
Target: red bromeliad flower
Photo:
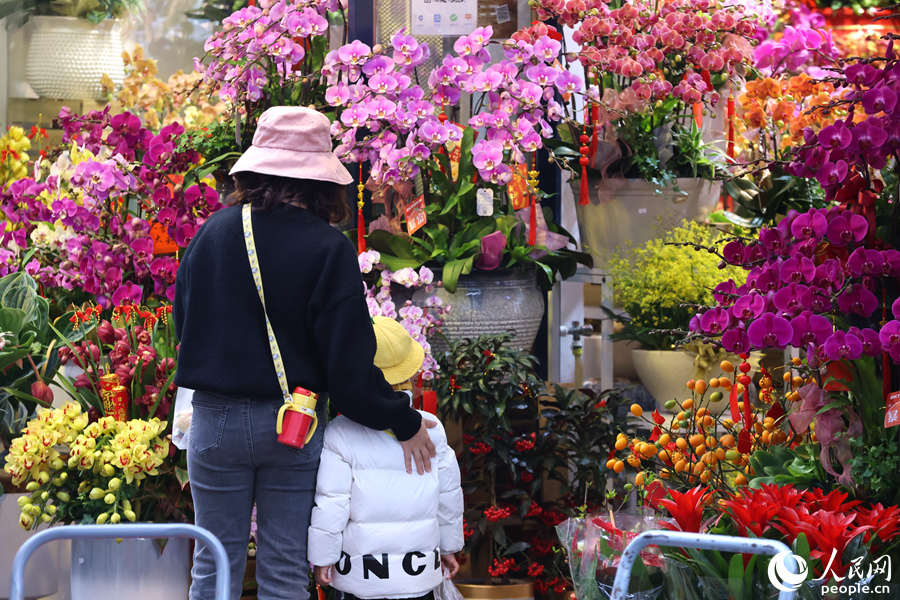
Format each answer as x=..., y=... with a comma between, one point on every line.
x=752, y=511
x=686, y=509
x=828, y=533
x=834, y=501
x=885, y=523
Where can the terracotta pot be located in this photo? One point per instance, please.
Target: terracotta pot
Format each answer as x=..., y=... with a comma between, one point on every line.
x=516, y=590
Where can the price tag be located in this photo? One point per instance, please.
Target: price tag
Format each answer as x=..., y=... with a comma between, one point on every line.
x=415, y=215
x=484, y=202
x=892, y=414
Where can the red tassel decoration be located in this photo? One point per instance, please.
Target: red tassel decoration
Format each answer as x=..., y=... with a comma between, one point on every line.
x=532, y=225
x=698, y=114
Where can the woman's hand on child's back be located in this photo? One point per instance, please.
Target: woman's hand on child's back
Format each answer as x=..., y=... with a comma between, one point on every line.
x=451, y=567
x=323, y=575
x=420, y=448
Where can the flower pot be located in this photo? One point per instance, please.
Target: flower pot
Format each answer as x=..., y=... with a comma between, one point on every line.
x=665, y=373
x=133, y=569
x=490, y=302
x=68, y=57
x=630, y=211
x=517, y=590
x=45, y=560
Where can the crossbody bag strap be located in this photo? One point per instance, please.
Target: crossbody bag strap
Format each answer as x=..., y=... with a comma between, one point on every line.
x=257, y=280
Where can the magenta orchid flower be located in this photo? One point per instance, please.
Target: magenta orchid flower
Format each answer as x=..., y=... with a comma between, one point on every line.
x=770, y=331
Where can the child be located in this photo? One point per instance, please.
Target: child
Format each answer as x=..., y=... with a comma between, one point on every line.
x=377, y=531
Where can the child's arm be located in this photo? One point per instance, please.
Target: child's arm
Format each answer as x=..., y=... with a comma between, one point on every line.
x=332, y=509
x=450, y=508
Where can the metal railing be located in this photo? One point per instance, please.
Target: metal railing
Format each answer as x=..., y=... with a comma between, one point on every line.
x=700, y=541
x=126, y=531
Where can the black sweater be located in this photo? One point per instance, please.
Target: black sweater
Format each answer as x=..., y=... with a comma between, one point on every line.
x=316, y=304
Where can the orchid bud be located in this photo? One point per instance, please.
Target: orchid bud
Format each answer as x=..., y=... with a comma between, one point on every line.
x=42, y=391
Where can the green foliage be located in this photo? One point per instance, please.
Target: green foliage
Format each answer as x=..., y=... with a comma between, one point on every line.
x=782, y=466
x=580, y=431
x=654, y=280
x=451, y=239
x=94, y=11
x=28, y=337
x=876, y=468
x=217, y=10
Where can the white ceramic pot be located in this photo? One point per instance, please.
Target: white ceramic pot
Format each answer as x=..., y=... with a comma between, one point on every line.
x=40, y=572
x=491, y=302
x=624, y=211
x=133, y=569
x=665, y=373
x=68, y=57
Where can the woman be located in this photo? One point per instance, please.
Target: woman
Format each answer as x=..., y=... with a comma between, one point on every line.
x=315, y=303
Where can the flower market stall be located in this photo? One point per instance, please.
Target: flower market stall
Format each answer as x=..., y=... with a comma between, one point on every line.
x=714, y=182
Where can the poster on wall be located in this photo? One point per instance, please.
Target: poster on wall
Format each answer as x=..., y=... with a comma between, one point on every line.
x=444, y=17
x=502, y=15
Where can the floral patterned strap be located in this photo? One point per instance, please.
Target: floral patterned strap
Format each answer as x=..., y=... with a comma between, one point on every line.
x=257, y=279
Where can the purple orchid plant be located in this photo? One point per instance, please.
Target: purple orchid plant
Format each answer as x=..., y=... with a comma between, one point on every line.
x=85, y=222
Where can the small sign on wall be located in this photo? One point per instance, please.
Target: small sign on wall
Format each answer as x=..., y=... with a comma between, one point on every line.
x=444, y=17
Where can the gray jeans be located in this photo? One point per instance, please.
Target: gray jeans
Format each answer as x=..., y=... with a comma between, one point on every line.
x=234, y=460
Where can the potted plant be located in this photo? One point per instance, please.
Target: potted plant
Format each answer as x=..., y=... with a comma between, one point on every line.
x=29, y=364
x=257, y=61
x=74, y=44
x=638, y=152
x=658, y=285
x=111, y=460
x=478, y=222
x=492, y=391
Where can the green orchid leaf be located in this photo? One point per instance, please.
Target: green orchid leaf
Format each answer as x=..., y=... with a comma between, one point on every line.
x=453, y=269
x=12, y=320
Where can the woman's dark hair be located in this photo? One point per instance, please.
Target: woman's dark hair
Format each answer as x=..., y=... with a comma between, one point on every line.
x=325, y=199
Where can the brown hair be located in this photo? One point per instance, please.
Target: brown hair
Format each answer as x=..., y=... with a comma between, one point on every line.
x=325, y=199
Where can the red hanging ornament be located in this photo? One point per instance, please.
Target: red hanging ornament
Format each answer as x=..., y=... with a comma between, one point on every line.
x=584, y=195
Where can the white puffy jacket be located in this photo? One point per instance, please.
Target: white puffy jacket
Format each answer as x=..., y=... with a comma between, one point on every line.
x=382, y=528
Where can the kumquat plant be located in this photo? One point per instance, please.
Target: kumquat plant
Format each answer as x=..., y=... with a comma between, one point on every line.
x=714, y=435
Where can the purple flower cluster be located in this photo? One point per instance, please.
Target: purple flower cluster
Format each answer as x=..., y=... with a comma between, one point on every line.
x=257, y=40
x=375, y=92
x=803, y=273
x=88, y=226
x=840, y=153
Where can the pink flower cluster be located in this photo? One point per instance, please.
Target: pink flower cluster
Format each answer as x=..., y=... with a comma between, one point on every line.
x=798, y=49
x=801, y=273
x=406, y=124
x=659, y=47
x=257, y=40
x=419, y=321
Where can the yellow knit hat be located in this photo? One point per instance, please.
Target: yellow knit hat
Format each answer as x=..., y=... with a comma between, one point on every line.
x=398, y=355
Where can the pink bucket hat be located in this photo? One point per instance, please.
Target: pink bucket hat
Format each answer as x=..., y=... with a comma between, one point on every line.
x=293, y=141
